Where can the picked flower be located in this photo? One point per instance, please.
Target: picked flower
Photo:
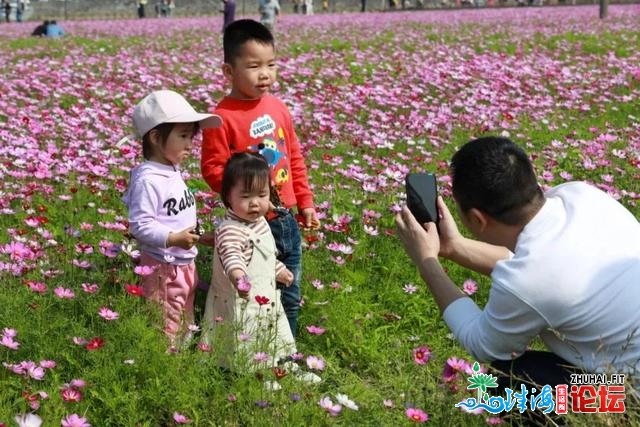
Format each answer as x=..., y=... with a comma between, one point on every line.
x=244, y=285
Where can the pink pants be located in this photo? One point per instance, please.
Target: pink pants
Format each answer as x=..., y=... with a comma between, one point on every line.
x=174, y=287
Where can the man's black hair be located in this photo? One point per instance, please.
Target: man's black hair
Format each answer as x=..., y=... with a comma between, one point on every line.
x=495, y=176
x=240, y=32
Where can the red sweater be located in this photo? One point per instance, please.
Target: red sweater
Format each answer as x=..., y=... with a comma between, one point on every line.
x=261, y=125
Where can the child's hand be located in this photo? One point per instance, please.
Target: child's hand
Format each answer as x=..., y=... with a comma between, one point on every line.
x=308, y=219
x=184, y=239
x=241, y=282
x=208, y=238
x=285, y=277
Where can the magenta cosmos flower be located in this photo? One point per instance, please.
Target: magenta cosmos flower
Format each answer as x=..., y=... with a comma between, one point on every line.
x=417, y=415
x=421, y=355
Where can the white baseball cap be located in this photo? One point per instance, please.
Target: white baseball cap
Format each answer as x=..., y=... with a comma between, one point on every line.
x=167, y=106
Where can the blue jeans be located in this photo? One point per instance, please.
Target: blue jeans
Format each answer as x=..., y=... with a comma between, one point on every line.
x=289, y=244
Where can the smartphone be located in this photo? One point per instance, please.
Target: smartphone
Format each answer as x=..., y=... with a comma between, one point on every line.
x=422, y=192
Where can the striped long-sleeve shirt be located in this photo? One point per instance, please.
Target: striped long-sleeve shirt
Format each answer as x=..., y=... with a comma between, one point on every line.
x=234, y=246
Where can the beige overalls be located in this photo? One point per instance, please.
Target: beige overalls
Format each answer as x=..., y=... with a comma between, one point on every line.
x=238, y=329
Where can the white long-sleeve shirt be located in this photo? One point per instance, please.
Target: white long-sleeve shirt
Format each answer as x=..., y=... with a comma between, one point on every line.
x=574, y=280
x=159, y=202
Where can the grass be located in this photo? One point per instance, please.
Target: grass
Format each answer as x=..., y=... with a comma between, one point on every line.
x=372, y=324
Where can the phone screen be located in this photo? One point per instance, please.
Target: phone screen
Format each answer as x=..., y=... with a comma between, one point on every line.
x=422, y=193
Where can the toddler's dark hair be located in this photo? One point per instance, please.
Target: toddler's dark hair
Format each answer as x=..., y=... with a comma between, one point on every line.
x=249, y=168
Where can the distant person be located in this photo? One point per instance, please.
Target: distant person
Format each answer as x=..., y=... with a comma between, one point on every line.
x=20, y=7
x=54, y=30
x=170, y=7
x=41, y=30
x=229, y=13
x=141, y=7
x=269, y=11
x=7, y=11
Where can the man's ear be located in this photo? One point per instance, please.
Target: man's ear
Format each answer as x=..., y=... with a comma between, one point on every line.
x=227, y=70
x=479, y=219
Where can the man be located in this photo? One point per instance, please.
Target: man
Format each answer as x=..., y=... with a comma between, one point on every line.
x=565, y=266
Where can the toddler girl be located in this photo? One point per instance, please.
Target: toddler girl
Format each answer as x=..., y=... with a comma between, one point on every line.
x=162, y=210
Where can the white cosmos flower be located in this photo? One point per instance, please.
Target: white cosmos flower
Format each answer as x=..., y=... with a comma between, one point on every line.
x=344, y=400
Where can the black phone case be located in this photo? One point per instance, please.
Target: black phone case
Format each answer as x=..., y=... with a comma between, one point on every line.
x=422, y=192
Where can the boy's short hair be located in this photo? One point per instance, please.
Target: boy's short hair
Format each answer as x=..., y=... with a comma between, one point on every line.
x=495, y=176
x=250, y=168
x=241, y=31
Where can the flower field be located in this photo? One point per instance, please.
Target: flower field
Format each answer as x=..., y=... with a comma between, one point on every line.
x=373, y=96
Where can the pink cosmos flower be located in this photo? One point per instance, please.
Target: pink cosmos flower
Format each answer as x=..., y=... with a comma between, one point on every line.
x=74, y=420
x=108, y=314
x=315, y=330
x=63, y=293
x=38, y=287
x=8, y=342
x=316, y=363
x=388, y=403
x=242, y=337
x=70, y=394
x=35, y=372
x=180, y=419
x=143, y=270
x=417, y=415
x=78, y=383
x=469, y=287
x=409, y=288
x=326, y=404
x=204, y=347
x=79, y=341
x=261, y=356
x=48, y=364
x=421, y=355
x=494, y=421
x=90, y=288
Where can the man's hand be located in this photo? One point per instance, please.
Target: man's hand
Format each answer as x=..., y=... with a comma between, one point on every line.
x=420, y=242
x=450, y=236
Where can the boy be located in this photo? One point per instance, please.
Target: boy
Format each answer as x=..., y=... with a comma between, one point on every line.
x=256, y=121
